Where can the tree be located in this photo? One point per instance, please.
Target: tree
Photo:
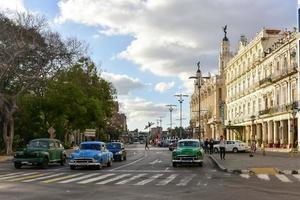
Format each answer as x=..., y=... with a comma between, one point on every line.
x=29, y=53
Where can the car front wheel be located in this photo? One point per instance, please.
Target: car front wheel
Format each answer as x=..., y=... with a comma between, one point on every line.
x=18, y=165
x=72, y=167
x=174, y=164
x=109, y=163
x=235, y=150
x=216, y=150
x=45, y=163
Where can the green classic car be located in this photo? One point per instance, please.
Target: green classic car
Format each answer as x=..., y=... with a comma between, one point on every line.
x=41, y=152
x=188, y=151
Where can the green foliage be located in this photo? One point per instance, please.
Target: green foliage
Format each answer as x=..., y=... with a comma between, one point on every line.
x=74, y=99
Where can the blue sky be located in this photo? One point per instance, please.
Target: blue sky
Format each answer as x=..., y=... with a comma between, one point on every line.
x=148, y=49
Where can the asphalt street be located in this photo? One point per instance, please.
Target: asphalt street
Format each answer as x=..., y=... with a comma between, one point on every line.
x=144, y=175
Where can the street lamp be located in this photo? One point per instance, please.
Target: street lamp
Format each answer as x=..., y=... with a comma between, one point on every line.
x=199, y=82
x=171, y=108
x=180, y=101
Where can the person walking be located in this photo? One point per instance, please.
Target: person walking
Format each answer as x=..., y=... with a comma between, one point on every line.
x=206, y=142
x=211, y=146
x=222, y=147
x=146, y=145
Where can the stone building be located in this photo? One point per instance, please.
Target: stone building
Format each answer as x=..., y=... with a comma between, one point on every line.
x=212, y=99
x=261, y=88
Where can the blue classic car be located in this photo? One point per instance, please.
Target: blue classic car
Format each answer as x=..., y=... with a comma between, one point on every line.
x=118, y=150
x=93, y=153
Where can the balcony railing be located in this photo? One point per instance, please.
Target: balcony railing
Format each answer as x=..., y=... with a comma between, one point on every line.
x=265, y=80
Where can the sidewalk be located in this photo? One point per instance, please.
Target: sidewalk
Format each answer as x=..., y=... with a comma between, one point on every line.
x=278, y=162
x=6, y=158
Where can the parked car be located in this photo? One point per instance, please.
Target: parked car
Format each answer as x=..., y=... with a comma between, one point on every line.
x=234, y=146
x=118, y=150
x=40, y=152
x=188, y=151
x=92, y=153
x=173, y=144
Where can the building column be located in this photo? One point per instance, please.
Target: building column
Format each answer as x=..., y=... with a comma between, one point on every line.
x=258, y=136
x=264, y=133
x=284, y=130
x=276, y=134
x=271, y=127
x=290, y=133
x=248, y=130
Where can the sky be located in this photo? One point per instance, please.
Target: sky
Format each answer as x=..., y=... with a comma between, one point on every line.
x=148, y=49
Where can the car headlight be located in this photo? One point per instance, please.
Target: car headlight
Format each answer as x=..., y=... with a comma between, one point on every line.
x=120, y=152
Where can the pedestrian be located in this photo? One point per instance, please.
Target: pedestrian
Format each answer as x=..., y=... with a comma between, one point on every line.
x=222, y=147
x=206, y=145
x=211, y=146
x=146, y=145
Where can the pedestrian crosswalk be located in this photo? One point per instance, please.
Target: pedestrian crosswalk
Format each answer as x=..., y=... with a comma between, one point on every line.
x=284, y=178
x=133, y=178
x=103, y=178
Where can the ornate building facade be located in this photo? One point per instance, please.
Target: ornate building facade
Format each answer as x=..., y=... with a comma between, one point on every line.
x=212, y=99
x=261, y=88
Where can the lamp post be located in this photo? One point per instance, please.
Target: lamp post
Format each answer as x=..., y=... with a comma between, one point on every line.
x=199, y=82
x=171, y=108
x=180, y=101
x=229, y=124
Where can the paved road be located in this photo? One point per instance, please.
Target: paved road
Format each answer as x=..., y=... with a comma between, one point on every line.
x=145, y=174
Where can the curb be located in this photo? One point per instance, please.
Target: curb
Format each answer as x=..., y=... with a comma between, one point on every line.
x=246, y=171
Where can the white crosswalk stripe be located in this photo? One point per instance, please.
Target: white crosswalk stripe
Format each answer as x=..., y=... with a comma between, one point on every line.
x=95, y=179
x=42, y=178
x=263, y=177
x=10, y=174
x=152, y=178
x=167, y=180
x=283, y=178
x=79, y=178
x=130, y=179
x=297, y=176
x=113, y=179
x=186, y=180
x=247, y=176
x=17, y=176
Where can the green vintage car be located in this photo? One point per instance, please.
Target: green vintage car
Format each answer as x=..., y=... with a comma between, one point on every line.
x=188, y=151
x=41, y=152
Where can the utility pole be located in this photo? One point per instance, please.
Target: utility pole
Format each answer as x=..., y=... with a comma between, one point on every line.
x=180, y=101
x=171, y=108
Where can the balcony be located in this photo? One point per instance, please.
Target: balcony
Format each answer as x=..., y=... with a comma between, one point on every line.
x=265, y=80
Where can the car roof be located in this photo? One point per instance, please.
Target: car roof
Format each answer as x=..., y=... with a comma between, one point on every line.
x=114, y=143
x=194, y=140
x=45, y=139
x=92, y=142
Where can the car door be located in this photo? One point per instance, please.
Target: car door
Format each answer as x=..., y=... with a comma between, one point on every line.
x=58, y=150
x=229, y=146
x=104, y=154
x=52, y=151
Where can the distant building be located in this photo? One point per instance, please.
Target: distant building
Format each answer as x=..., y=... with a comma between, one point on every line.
x=118, y=123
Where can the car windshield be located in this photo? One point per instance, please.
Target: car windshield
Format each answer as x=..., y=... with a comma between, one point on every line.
x=38, y=144
x=113, y=145
x=90, y=146
x=188, y=144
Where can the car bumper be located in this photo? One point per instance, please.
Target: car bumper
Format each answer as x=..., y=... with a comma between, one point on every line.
x=28, y=160
x=187, y=161
x=84, y=164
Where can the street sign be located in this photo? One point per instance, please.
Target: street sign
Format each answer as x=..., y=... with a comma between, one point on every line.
x=90, y=133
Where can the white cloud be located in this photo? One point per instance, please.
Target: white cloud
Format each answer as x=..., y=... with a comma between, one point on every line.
x=171, y=36
x=12, y=5
x=139, y=111
x=123, y=83
x=162, y=86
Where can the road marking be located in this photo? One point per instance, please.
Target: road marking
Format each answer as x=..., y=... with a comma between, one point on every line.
x=27, y=177
x=152, y=178
x=10, y=174
x=141, y=171
x=155, y=161
x=41, y=178
x=247, y=176
x=61, y=178
x=297, y=176
x=167, y=180
x=130, y=179
x=167, y=168
x=185, y=180
x=128, y=164
x=283, y=178
x=113, y=179
x=263, y=176
x=95, y=179
x=78, y=178
x=14, y=176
